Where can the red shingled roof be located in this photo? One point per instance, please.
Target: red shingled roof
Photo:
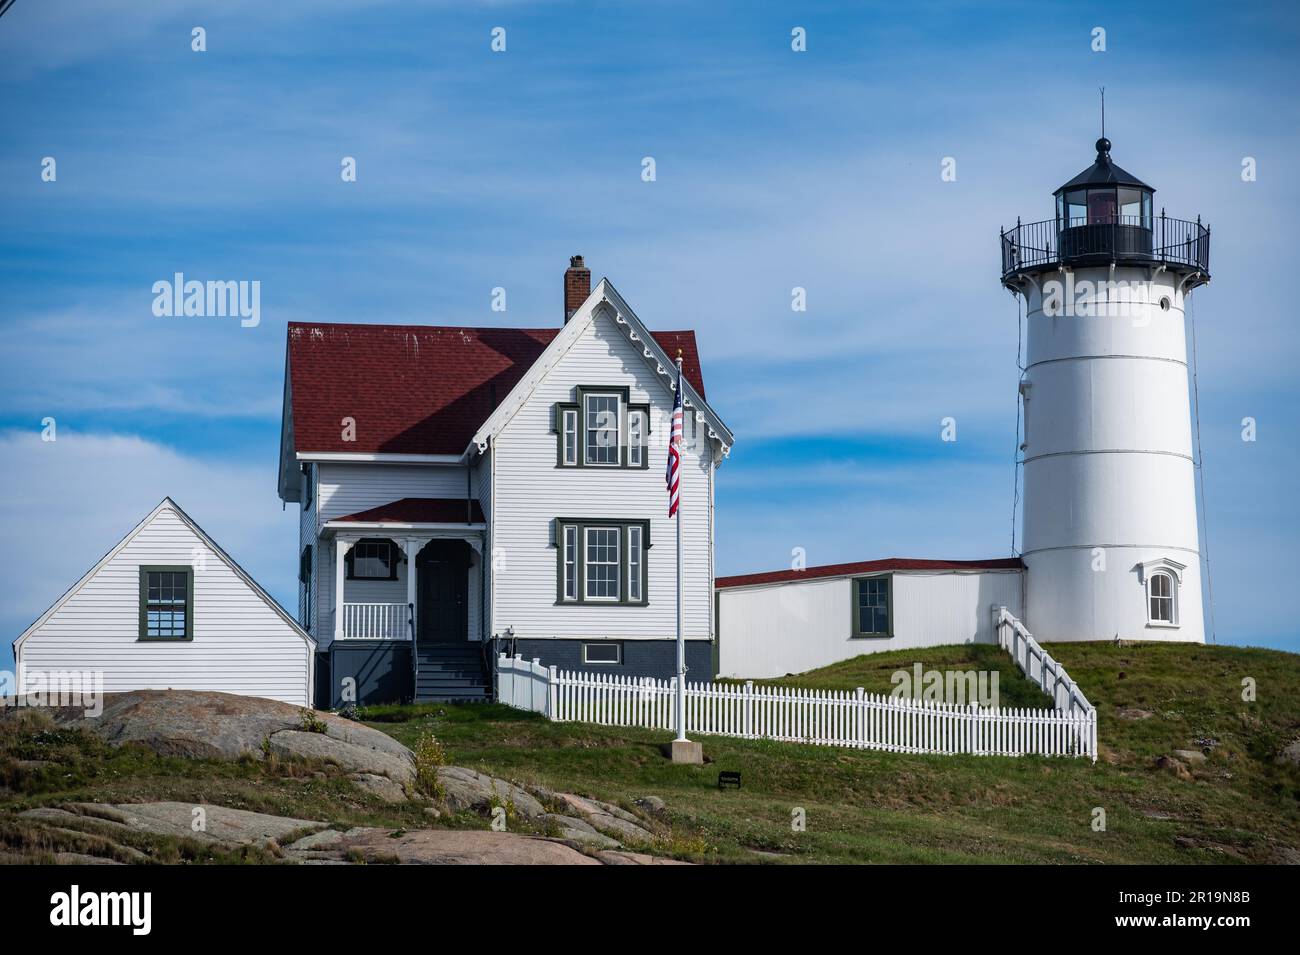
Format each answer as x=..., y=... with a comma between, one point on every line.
x=416, y=389
x=866, y=567
x=418, y=510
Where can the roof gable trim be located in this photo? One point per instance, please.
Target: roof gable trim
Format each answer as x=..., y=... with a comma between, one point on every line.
x=603, y=298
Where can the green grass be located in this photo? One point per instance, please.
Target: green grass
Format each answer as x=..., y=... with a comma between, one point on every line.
x=1239, y=805
x=883, y=807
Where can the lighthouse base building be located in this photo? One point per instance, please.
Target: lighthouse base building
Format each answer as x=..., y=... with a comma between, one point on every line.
x=1110, y=541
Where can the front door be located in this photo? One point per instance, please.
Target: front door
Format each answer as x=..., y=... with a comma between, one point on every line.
x=443, y=610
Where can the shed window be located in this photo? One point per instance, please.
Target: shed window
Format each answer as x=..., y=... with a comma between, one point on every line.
x=871, y=607
x=166, y=603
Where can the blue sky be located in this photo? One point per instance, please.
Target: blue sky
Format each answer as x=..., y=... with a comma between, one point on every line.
x=477, y=169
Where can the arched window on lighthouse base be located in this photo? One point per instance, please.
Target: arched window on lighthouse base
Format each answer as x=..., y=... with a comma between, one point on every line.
x=1162, y=578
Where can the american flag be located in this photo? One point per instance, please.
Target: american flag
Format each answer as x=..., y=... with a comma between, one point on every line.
x=673, y=475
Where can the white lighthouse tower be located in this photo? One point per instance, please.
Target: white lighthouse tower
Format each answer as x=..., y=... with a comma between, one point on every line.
x=1110, y=534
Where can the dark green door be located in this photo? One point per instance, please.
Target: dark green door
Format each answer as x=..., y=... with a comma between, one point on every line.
x=443, y=592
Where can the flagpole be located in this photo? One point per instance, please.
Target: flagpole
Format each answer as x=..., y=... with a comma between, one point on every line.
x=681, y=642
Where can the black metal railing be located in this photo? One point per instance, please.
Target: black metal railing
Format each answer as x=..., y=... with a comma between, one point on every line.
x=1120, y=239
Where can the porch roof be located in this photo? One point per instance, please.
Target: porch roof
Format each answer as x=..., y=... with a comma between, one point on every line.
x=418, y=510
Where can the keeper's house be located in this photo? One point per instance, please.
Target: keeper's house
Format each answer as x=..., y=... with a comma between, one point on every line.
x=469, y=491
x=790, y=621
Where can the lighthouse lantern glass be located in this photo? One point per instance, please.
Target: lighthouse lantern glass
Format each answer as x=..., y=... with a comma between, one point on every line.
x=1101, y=206
x=1076, y=208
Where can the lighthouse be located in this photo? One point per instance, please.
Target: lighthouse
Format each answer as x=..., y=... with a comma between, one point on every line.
x=1110, y=529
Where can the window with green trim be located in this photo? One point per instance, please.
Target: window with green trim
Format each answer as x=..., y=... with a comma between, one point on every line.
x=601, y=428
x=871, y=606
x=601, y=561
x=167, y=603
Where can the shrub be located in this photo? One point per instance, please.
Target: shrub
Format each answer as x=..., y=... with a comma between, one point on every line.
x=429, y=755
x=311, y=723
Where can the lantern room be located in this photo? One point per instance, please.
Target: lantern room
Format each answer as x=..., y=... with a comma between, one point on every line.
x=1105, y=216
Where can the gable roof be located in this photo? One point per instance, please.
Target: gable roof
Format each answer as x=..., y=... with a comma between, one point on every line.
x=414, y=389
x=167, y=504
x=605, y=300
x=867, y=567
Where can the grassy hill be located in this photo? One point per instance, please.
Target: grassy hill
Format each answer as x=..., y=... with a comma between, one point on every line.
x=1239, y=805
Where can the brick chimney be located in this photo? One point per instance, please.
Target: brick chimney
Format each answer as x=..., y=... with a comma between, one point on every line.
x=577, y=286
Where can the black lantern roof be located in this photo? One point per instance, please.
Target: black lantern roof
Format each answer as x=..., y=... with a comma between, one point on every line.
x=1103, y=172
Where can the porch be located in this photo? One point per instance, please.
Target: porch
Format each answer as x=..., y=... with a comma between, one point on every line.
x=405, y=608
x=404, y=588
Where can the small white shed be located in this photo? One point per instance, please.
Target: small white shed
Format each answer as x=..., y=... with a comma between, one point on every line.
x=169, y=609
x=791, y=621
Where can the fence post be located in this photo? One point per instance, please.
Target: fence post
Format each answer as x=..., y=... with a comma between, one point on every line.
x=552, y=688
x=748, y=728
x=859, y=718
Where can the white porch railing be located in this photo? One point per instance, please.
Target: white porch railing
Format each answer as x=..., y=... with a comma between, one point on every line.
x=824, y=717
x=376, y=621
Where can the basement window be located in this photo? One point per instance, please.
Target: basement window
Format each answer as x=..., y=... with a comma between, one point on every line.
x=603, y=653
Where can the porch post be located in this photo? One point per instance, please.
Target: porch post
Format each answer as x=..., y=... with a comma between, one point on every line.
x=411, y=546
x=341, y=548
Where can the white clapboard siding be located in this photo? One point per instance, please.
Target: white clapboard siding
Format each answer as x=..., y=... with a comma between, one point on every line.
x=769, y=630
x=243, y=642
x=348, y=488
x=848, y=718
x=531, y=492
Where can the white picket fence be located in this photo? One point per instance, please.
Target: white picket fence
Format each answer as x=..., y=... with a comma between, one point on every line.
x=853, y=719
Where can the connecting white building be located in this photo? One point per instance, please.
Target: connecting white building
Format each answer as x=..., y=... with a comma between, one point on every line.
x=1110, y=543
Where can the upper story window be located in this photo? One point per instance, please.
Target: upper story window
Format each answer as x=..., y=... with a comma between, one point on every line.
x=602, y=429
x=871, y=606
x=167, y=603
x=372, y=560
x=601, y=561
x=308, y=485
